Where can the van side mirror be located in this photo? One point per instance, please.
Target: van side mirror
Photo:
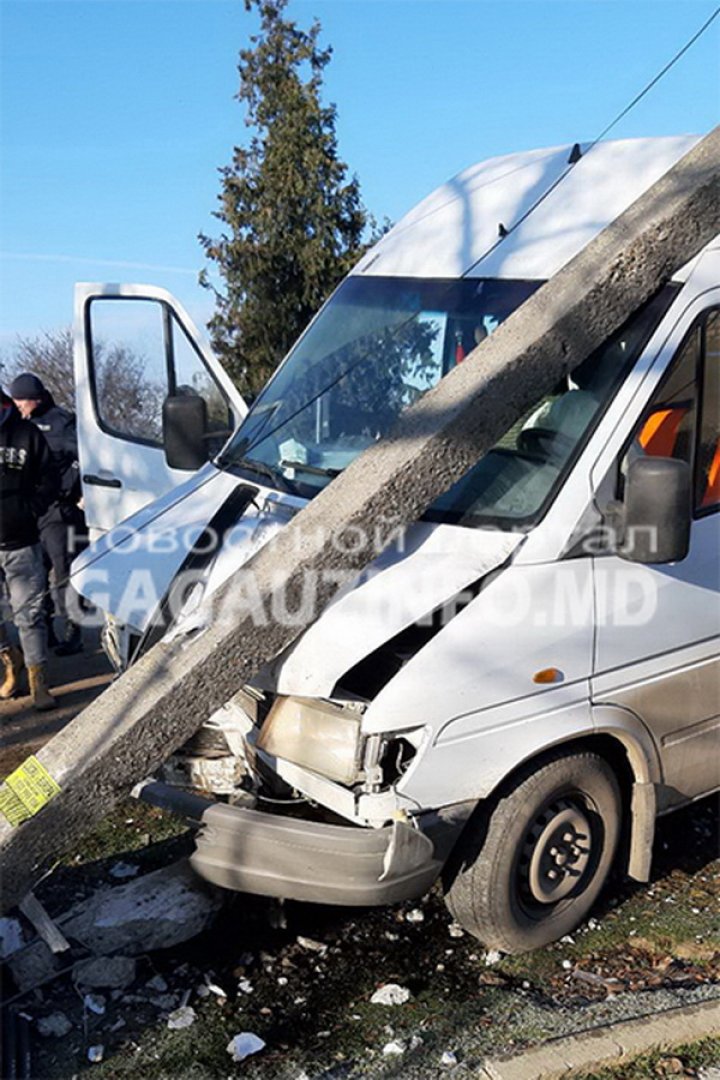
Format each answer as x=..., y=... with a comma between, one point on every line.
x=184, y=419
x=655, y=515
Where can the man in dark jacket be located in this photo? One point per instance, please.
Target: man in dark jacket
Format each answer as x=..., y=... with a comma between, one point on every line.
x=63, y=523
x=27, y=485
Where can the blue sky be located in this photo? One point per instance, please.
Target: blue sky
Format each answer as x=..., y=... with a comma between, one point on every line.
x=116, y=115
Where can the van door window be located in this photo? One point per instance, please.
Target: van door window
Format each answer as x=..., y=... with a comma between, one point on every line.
x=129, y=364
x=190, y=376
x=141, y=355
x=669, y=426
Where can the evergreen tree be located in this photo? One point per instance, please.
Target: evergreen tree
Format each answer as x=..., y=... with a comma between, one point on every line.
x=293, y=220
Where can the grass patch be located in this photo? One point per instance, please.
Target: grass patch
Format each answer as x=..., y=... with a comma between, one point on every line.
x=129, y=827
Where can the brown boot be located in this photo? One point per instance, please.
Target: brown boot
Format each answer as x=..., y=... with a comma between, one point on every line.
x=13, y=664
x=41, y=698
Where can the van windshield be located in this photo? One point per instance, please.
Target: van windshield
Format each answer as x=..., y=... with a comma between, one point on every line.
x=375, y=348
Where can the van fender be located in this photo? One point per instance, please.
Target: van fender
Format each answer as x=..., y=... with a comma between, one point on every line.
x=470, y=756
x=458, y=764
x=628, y=729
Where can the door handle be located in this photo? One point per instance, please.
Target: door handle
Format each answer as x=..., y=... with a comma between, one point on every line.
x=102, y=481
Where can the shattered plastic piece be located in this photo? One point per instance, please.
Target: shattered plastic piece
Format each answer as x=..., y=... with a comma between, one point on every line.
x=448, y=1059
x=455, y=930
x=245, y=986
x=416, y=1042
x=95, y=1003
x=122, y=870
x=394, y=1048
x=415, y=916
x=244, y=1044
x=311, y=944
x=567, y=965
x=282, y=981
x=56, y=1024
x=568, y=939
x=218, y=991
x=492, y=956
x=157, y=983
x=95, y=1053
x=202, y=991
x=184, y=1017
x=391, y=994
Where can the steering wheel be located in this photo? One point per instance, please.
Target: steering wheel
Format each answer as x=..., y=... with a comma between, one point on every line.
x=549, y=444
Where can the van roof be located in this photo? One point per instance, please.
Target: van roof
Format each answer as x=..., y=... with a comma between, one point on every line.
x=456, y=230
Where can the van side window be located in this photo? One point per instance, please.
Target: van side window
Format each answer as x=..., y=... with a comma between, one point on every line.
x=670, y=426
x=707, y=476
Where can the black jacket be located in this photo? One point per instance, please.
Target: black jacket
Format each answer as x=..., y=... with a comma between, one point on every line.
x=59, y=428
x=28, y=481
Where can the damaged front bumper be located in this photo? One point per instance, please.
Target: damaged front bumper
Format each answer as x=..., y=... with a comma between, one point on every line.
x=249, y=850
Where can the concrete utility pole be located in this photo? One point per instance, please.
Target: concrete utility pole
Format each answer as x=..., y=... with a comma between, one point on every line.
x=153, y=708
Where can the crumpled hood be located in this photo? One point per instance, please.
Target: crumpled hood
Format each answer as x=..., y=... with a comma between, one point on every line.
x=396, y=590
x=128, y=571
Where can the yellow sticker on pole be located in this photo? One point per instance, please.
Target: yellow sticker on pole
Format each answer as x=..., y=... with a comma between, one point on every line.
x=11, y=807
x=26, y=791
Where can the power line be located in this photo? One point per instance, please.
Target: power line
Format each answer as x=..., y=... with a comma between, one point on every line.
x=658, y=77
x=638, y=97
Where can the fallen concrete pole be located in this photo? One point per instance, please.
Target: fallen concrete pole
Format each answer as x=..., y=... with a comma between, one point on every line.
x=140, y=719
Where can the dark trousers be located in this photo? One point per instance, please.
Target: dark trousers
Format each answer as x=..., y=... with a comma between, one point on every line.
x=61, y=543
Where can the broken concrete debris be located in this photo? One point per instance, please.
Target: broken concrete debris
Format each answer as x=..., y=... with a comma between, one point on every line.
x=55, y=1025
x=156, y=911
x=244, y=1045
x=391, y=994
x=395, y=1048
x=106, y=972
x=11, y=936
x=184, y=1017
x=169, y=692
x=95, y=1003
x=311, y=944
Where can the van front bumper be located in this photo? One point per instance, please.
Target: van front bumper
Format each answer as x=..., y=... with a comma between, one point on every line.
x=251, y=851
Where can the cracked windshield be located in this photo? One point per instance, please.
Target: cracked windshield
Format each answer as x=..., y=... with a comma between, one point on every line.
x=373, y=350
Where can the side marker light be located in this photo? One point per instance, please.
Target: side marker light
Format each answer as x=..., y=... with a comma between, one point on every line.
x=548, y=675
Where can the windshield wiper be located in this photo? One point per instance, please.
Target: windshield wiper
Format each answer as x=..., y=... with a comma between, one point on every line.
x=315, y=470
x=260, y=468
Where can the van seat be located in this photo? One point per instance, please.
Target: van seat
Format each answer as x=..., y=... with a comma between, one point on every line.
x=660, y=430
x=712, y=488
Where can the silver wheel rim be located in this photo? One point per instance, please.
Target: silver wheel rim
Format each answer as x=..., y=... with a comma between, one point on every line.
x=557, y=852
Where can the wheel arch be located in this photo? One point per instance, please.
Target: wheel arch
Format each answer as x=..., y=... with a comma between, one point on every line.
x=625, y=744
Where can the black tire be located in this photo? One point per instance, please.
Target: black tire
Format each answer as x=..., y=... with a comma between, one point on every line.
x=528, y=872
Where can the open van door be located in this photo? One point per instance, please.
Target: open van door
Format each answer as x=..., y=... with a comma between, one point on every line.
x=136, y=349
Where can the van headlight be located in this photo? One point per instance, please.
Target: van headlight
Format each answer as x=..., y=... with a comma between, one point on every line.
x=317, y=735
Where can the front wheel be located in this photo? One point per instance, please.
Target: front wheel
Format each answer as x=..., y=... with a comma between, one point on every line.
x=530, y=871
